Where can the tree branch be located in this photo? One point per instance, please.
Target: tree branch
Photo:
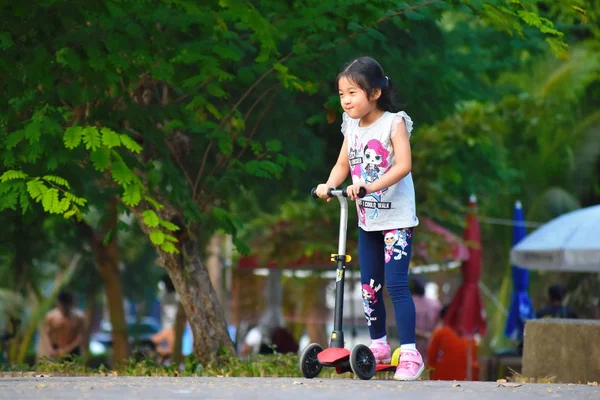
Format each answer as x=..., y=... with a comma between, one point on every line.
x=241, y=153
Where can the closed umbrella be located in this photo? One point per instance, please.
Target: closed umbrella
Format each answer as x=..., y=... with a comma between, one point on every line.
x=466, y=314
x=521, y=308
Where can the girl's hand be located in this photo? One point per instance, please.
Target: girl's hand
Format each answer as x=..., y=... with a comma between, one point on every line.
x=322, y=190
x=353, y=190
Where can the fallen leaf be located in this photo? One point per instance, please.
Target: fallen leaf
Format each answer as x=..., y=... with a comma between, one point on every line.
x=298, y=383
x=512, y=385
x=41, y=385
x=42, y=376
x=550, y=390
x=501, y=381
x=456, y=385
x=593, y=383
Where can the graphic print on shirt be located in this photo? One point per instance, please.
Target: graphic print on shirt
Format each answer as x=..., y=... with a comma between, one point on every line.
x=369, y=296
x=367, y=165
x=395, y=244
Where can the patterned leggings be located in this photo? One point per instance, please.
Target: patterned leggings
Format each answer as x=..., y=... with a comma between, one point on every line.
x=384, y=257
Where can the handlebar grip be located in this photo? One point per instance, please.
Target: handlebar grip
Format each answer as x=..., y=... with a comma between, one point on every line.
x=362, y=192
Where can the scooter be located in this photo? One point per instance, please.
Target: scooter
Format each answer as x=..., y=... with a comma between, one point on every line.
x=360, y=360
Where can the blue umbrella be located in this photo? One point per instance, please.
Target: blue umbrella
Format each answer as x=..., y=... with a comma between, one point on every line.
x=521, y=308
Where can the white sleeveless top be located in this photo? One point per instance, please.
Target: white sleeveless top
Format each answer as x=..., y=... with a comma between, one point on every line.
x=371, y=155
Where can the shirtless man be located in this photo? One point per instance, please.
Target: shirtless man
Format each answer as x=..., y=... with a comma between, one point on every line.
x=63, y=328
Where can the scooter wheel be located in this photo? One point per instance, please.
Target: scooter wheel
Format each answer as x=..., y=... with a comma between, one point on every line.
x=309, y=363
x=362, y=362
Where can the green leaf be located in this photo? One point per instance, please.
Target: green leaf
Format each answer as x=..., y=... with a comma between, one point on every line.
x=108, y=237
x=274, y=145
x=224, y=219
x=70, y=213
x=263, y=168
x=110, y=138
x=100, y=158
x=80, y=201
x=170, y=238
x=58, y=180
x=150, y=218
x=72, y=137
x=24, y=199
x=63, y=205
x=91, y=138
x=157, y=237
x=169, y=247
x=36, y=189
x=132, y=194
x=155, y=203
x=12, y=175
x=50, y=201
x=121, y=173
x=130, y=144
x=169, y=225
x=414, y=15
x=13, y=139
x=9, y=201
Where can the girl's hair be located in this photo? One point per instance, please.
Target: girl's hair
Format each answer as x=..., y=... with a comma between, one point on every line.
x=369, y=75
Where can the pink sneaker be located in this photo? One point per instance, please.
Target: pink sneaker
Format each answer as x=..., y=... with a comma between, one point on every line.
x=410, y=367
x=382, y=352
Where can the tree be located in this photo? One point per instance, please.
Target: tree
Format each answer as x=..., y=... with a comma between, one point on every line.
x=162, y=107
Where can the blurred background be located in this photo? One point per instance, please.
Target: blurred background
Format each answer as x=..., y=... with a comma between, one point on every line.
x=226, y=114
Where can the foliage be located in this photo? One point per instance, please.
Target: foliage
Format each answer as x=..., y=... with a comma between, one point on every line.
x=277, y=365
x=186, y=91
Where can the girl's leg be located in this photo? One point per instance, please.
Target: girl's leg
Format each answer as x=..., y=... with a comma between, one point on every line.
x=372, y=278
x=397, y=259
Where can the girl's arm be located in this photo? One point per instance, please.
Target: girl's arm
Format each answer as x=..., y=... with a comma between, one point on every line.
x=402, y=157
x=340, y=170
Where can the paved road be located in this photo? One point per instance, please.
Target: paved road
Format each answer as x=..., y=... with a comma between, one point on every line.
x=126, y=388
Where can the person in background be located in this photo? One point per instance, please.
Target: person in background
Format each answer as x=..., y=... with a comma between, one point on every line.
x=555, y=309
x=269, y=336
x=447, y=354
x=427, y=315
x=63, y=329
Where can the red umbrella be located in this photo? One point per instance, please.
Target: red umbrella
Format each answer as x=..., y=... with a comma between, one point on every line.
x=466, y=313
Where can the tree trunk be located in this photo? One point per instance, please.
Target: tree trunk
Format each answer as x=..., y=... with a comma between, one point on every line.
x=214, y=265
x=180, y=322
x=107, y=260
x=192, y=282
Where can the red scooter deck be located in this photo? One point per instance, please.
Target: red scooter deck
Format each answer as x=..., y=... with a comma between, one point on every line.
x=385, y=367
x=333, y=355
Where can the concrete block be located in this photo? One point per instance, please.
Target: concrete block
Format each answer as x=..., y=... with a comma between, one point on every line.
x=568, y=349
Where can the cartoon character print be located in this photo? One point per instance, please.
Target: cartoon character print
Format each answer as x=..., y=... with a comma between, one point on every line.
x=375, y=162
x=375, y=159
x=395, y=243
x=369, y=296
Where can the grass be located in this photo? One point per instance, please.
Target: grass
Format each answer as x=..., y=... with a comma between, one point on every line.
x=277, y=365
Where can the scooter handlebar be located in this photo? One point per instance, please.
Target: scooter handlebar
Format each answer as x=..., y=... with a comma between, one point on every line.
x=336, y=192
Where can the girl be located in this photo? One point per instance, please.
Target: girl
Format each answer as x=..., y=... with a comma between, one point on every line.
x=376, y=151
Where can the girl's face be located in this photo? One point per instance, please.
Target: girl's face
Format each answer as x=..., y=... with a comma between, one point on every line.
x=354, y=100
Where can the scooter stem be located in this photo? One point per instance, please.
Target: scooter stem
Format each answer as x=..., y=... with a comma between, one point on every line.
x=337, y=336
